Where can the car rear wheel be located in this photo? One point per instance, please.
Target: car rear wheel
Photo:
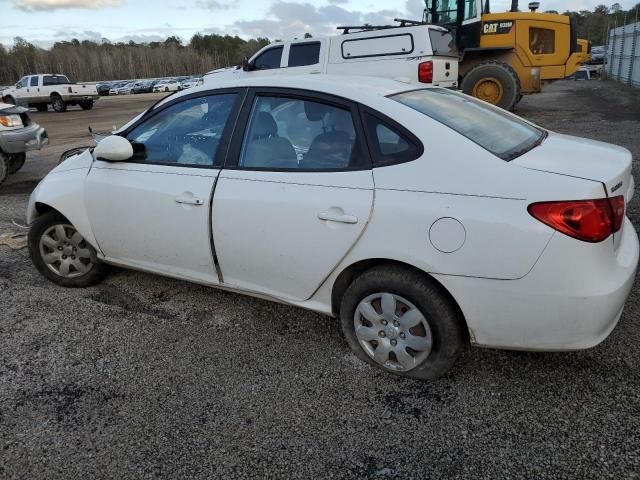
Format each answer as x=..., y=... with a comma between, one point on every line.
x=16, y=162
x=402, y=322
x=58, y=104
x=86, y=105
x=61, y=253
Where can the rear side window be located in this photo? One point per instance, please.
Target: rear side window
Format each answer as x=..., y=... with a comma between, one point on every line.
x=502, y=134
x=49, y=80
x=269, y=59
x=541, y=41
x=302, y=54
x=443, y=43
x=388, y=144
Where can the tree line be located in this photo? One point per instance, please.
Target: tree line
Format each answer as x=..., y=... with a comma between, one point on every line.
x=85, y=61
x=594, y=26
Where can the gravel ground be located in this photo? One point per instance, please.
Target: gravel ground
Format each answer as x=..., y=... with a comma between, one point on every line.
x=145, y=377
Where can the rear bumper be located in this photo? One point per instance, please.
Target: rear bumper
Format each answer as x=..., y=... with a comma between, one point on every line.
x=33, y=137
x=572, y=299
x=82, y=98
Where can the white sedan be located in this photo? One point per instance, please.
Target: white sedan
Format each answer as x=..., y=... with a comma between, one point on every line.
x=167, y=86
x=423, y=219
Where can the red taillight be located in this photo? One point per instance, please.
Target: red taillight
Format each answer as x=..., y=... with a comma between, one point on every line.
x=425, y=72
x=69, y=88
x=617, y=205
x=587, y=220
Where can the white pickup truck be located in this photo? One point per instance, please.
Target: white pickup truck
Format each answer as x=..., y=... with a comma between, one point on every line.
x=40, y=91
x=412, y=52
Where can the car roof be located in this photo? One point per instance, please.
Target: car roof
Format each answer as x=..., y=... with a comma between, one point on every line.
x=354, y=87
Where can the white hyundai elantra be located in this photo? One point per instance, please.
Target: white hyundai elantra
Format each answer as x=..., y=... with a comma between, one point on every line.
x=422, y=218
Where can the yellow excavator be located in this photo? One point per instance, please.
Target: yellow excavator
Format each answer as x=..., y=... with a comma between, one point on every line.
x=506, y=55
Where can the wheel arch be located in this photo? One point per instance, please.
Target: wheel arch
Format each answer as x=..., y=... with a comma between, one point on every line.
x=63, y=194
x=346, y=276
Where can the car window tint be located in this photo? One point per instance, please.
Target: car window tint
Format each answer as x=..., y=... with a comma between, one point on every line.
x=269, y=59
x=49, y=80
x=302, y=54
x=187, y=133
x=33, y=82
x=287, y=133
x=502, y=134
x=388, y=144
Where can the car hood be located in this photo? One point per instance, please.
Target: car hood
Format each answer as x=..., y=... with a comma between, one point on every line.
x=583, y=158
x=9, y=108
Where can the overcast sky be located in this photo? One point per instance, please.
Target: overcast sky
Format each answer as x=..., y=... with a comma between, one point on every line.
x=46, y=21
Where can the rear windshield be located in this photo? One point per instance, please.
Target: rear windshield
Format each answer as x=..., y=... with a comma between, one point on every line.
x=502, y=134
x=443, y=43
x=49, y=80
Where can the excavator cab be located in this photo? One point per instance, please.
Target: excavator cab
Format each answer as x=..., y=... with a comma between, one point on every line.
x=506, y=55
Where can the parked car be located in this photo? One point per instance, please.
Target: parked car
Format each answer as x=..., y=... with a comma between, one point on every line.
x=18, y=135
x=192, y=82
x=419, y=54
x=421, y=217
x=598, y=55
x=39, y=91
x=143, y=87
x=167, y=86
x=126, y=89
x=103, y=89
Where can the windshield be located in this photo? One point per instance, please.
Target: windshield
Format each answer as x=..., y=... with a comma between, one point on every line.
x=502, y=134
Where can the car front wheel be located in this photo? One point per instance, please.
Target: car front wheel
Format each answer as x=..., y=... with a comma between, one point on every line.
x=61, y=253
x=402, y=322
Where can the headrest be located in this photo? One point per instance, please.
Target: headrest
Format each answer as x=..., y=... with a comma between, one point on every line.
x=315, y=112
x=265, y=125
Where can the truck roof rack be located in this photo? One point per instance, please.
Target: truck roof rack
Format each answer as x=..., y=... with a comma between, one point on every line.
x=366, y=27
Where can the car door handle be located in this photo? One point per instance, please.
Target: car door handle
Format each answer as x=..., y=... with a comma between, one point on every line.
x=335, y=217
x=189, y=200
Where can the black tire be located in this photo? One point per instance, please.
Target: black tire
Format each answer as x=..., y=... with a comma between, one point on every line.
x=16, y=162
x=86, y=105
x=4, y=167
x=42, y=224
x=166, y=89
x=10, y=100
x=58, y=104
x=447, y=327
x=42, y=107
x=495, y=75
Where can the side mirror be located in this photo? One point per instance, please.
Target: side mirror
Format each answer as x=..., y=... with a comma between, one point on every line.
x=18, y=86
x=247, y=66
x=113, y=149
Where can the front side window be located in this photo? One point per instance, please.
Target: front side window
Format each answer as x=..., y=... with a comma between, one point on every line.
x=542, y=40
x=24, y=81
x=33, y=82
x=187, y=133
x=288, y=133
x=502, y=134
x=302, y=54
x=269, y=59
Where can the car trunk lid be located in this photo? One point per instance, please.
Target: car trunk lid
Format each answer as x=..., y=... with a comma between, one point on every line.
x=607, y=164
